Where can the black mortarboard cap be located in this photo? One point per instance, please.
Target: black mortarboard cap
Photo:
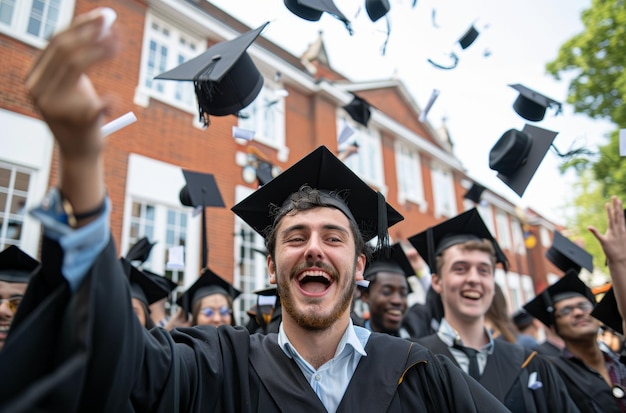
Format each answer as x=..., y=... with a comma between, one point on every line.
x=376, y=8
x=532, y=105
x=16, y=266
x=142, y=284
x=312, y=10
x=201, y=190
x=607, y=312
x=466, y=226
x=224, y=76
x=474, y=193
x=468, y=37
x=517, y=155
x=566, y=255
x=167, y=284
x=140, y=251
x=522, y=318
x=264, y=172
x=321, y=170
x=359, y=110
x=208, y=283
x=393, y=261
x=542, y=306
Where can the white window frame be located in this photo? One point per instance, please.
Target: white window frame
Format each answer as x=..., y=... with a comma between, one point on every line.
x=27, y=143
x=443, y=191
x=247, y=283
x=266, y=117
x=367, y=163
x=487, y=215
x=166, y=90
x=545, y=237
x=159, y=183
x=18, y=27
x=504, y=230
x=519, y=245
x=409, y=174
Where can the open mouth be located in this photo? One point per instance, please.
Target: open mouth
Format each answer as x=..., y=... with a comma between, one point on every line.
x=471, y=295
x=394, y=314
x=314, y=283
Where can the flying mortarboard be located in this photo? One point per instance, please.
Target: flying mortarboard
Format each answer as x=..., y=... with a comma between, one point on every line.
x=225, y=77
x=607, y=312
x=532, y=105
x=359, y=110
x=376, y=8
x=207, y=284
x=201, y=190
x=167, y=284
x=395, y=261
x=140, y=251
x=16, y=266
x=517, y=155
x=566, y=255
x=466, y=226
x=468, y=38
x=542, y=306
x=321, y=170
x=312, y=10
x=142, y=284
x=474, y=193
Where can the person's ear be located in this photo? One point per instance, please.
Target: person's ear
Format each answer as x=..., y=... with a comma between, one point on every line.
x=271, y=268
x=360, y=267
x=435, y=282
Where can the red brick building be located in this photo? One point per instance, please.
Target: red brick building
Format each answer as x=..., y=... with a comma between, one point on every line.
x=410, y=162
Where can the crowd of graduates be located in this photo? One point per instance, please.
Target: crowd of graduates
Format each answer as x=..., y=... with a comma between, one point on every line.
x=86, y=330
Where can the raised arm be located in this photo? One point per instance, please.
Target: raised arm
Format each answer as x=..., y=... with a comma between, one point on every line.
x=613, y=243
x=68, y=102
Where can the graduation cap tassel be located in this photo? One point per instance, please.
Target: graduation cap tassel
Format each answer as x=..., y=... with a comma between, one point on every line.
x=383, y=234
x=383, y=49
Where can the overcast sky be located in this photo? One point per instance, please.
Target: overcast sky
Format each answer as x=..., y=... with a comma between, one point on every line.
x=519, y=37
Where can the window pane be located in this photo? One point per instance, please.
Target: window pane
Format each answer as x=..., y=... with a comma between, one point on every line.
x=136, y=210
x=17, y=205
x=5, y=177
x=6, y=11
x=21, y=181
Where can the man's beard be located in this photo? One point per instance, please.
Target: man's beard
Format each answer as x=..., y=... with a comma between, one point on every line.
x=313, y=320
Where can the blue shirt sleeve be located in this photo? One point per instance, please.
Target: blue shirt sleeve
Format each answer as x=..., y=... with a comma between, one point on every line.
x=80, y=246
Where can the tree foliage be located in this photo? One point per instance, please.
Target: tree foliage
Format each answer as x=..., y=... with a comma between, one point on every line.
x=596, y=58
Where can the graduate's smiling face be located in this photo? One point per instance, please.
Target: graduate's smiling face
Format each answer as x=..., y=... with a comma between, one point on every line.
x=315, y=266
x=573, y=320
x=466, y=283
x=386, y=299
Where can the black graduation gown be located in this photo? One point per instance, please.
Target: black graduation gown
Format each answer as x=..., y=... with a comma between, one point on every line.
x=505, y=378
x=585, y=386
x=103, y=360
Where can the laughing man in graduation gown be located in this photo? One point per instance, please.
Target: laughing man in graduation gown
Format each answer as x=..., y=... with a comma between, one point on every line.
x=464, y=255
x=99, y=358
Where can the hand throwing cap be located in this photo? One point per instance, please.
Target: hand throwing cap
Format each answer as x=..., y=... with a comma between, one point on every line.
x=342, y=189
x=225, y=77
x=467, y=226
x=517, y=155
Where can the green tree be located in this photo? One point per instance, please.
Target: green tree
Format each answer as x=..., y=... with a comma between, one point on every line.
x=596, y=58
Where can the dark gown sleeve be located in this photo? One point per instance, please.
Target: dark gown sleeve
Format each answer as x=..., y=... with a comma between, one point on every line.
x=64, y=353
